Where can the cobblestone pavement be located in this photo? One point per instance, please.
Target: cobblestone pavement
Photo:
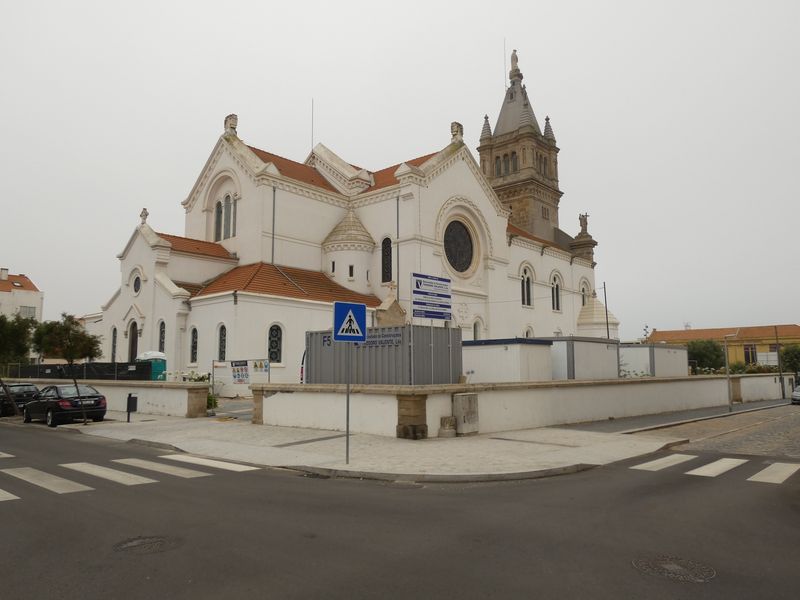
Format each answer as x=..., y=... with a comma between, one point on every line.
x=773, y=432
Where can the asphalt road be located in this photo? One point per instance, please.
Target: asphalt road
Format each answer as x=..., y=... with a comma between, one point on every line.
x=612, y=532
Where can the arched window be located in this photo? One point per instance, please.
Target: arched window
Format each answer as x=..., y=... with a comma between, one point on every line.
x=556, y=292
x=528, y=332
x=227, y=211
x=386, y=260
x=497, y=168
x=514, y=165
x=476, y=330
x=218, y=222
x=275, y=344
x=133, y=341
x=584, y=295
x=527, y=298
x=113, y=344
x=505, y=164
x=223, y=342
x=233, y=220
x=193, y=346
x=162, y=336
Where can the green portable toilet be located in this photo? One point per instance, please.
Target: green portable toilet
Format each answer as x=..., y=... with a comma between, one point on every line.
x=158, y=363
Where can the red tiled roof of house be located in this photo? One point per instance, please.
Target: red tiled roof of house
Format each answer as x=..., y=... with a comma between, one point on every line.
x=761, y=332
x=17, y=282
x=287, y=282
x=192, y=288
x=294, y=170
x=385, y=177
x=191, y=246
x=514, y=230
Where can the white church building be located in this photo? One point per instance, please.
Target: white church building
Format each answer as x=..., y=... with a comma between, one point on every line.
x=270, y=243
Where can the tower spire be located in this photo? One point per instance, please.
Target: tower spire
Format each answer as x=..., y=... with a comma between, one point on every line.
x=486, y=132
x=548, y=130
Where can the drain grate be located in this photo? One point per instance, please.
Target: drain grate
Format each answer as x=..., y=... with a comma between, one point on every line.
x=675, y=568
x=152, y=544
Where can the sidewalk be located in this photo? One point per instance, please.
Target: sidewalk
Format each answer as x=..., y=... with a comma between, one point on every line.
x=490, y=457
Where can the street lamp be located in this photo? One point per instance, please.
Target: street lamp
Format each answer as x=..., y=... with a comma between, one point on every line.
x=727, y=368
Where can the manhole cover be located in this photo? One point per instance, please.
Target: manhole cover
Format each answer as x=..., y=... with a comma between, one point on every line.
x=675, y=568
x=152, y=544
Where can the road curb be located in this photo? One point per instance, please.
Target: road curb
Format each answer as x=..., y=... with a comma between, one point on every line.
x=152, y=444
x=443, y=478
x=697, y=419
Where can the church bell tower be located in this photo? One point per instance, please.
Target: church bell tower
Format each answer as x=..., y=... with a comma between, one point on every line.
x=521, y=162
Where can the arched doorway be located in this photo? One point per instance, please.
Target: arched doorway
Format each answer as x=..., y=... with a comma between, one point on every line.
x=133, y=342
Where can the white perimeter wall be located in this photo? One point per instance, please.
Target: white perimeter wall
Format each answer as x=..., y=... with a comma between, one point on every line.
x=369, y=413
x=506, y=407
x=155, y=397
x=596, y=360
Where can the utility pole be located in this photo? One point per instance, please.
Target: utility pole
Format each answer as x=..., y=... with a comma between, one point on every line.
x=780, y=364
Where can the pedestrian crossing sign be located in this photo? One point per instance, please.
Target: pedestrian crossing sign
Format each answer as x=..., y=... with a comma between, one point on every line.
x=349, y=322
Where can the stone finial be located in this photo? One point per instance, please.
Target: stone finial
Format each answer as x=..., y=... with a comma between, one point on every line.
x=231, y=122
x=548, y=130
x=143, y=215
x=514, y=60
x=584, y=220
x=457, y=132
x=486, y=132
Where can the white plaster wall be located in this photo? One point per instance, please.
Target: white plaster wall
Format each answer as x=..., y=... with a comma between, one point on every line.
x=558, y=357
x=763, y=387
x=154, y=398
x=437, y=406
x=504, y=410
x=361, y=262
x=196, y=269
x=10, y=302
x=635, y=361
x=671, y=362
x=248, y=323
x=508, y=362
x=369, y=413
x=595, y=361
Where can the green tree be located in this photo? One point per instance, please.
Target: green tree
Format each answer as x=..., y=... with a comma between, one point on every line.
x=790, y=358
x=67, y=339
x=707, y=354
x=15, y=345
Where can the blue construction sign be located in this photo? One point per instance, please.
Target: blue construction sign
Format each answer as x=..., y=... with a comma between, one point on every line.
x=349, y=322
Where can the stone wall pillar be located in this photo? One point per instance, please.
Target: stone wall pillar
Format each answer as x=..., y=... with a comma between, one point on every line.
x=412, y=421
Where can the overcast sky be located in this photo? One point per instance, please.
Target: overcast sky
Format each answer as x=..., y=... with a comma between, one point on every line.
x=677, y=123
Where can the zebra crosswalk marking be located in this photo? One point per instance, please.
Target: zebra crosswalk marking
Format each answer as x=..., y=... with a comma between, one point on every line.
x=4, y=455
x=664, y=462
x=110, y=474
x=775, y=473
x=4, y=495
x=150, y=465
x=207, y=462
x=56, y=484
x=718, y=467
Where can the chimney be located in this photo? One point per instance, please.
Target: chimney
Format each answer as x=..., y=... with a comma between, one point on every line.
x=3, y=274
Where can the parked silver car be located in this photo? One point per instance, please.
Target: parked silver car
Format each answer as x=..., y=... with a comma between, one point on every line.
x=796, y=395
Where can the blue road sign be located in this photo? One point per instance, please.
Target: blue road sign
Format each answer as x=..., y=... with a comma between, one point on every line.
x=349, y=322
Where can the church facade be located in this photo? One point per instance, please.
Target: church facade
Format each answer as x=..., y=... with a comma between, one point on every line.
x=270, y=243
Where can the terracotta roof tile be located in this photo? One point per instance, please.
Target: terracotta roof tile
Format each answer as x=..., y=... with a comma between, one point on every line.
x=294, y=170
x=192, y=288
x=760, y=332
x=17, y=282
x=287, y=282
x=191, y=246
x=385, y=177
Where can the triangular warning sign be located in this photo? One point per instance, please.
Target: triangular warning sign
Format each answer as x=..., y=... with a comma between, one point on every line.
x=350, y=326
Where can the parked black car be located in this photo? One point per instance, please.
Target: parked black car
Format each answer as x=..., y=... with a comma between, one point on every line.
x=61, y=404
x=21, y=393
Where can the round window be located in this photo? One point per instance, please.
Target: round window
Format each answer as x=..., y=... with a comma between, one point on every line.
x=458, y=246
x=137, y=285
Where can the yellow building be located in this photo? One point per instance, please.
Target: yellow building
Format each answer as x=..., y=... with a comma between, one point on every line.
x=746, y=345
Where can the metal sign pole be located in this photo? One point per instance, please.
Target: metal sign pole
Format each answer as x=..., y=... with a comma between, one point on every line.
x=347, y=432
